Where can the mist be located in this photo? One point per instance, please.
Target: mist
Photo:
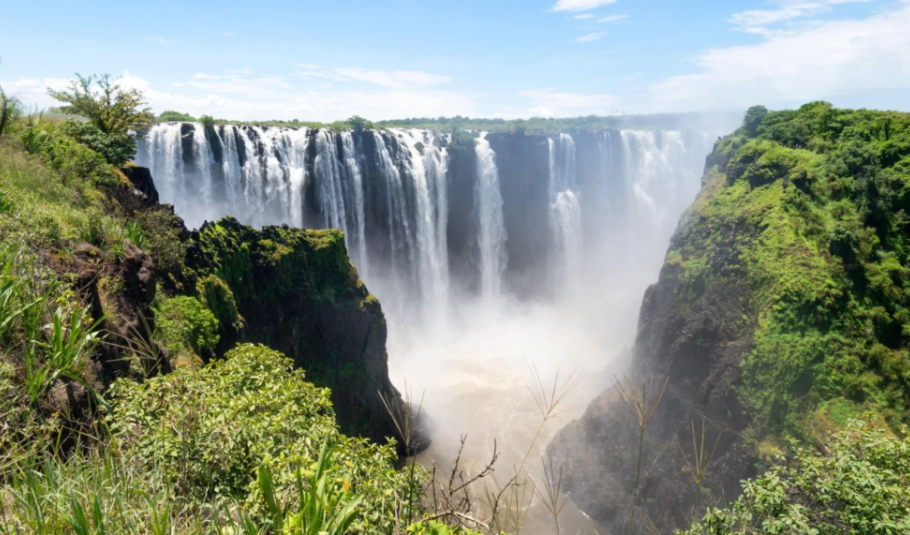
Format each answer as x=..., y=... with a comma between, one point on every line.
x=498, y=260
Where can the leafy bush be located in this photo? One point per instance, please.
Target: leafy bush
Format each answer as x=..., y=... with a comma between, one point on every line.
x=161, y=230
x=210, y=431
x=117, y=148
x=184, y=324
x=63, y=153
x=859, y=484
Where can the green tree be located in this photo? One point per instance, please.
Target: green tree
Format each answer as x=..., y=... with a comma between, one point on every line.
x=754, y=117
x=359, y=124
x=115, y=112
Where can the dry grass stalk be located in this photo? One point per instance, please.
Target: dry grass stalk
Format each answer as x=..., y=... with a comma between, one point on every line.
x=641, y=398
x=700, y=461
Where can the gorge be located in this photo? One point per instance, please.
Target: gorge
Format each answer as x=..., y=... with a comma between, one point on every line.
x=489, y=252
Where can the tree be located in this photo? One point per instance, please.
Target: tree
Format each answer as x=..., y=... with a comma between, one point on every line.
x=115, y=114
x=753, y=118
x=359, y=124
x=112, y=109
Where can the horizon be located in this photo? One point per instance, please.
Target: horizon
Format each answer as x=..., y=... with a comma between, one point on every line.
x=509, y=60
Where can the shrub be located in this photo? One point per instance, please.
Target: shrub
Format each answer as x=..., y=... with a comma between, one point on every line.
x=161, y=230
x=116, y=148
x=860, y=484
x=211, y=430
x=184, y=324
x=63, y=153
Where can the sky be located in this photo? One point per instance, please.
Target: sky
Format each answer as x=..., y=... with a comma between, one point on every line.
x=328, y=60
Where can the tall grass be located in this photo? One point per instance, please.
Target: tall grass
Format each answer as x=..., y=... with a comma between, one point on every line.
x=641, y=397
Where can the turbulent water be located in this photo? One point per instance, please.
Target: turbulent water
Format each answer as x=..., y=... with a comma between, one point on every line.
x=512, y=253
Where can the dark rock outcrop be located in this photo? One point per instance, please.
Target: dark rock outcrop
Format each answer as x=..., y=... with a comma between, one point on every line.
x=295, y=291
x=696, y=335
x=143, y=185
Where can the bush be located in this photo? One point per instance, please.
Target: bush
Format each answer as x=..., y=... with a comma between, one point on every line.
x=117, y=149
x=65, y=154
x=161, y=231
x=184, y=324
x=860, y=484
x=211, y=430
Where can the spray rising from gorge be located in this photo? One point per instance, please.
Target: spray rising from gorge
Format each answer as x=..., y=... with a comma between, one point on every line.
x=488, y=252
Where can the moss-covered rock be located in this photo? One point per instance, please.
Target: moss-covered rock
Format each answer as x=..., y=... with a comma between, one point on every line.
x=296, y=291
x=780, y=311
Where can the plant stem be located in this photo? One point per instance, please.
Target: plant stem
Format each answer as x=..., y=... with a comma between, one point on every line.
x=641, y=443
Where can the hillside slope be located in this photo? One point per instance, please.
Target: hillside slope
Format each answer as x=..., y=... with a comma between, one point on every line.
x=781, y=312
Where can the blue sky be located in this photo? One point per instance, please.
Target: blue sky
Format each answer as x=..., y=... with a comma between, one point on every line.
x=390, y=59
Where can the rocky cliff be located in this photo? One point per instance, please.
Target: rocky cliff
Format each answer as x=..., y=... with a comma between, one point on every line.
x=781, y=312
x=295, y=291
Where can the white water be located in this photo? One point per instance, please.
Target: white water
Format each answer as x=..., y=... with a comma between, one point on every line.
x=608, y=209
x=565, y=213
x=492, y=236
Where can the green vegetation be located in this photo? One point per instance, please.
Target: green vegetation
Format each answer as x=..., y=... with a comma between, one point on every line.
x=174, y=116
x=235, y=445
x=859, y=484
x=465, y=126
x=114, y=116
x=248, y=411
x=186, y=328
x=813, y=206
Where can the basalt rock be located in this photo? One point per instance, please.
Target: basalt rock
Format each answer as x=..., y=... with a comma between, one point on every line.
x=295, y=291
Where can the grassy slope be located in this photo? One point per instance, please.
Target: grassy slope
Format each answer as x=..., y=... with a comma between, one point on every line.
x=818, y=199
x=57, y=196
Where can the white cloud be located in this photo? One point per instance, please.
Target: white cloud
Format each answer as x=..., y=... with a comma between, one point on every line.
x=583, y=16
x=579, y=5
x=551, y=103
x=591, y=37
x=758, y=20
x=158, y=40
x=399, y=79
x=824, y=60
x=227, y=34
x=613, y=18
x=240, y=96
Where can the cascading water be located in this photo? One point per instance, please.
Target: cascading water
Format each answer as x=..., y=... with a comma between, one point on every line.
x=565, y=211
x=492, y=234
x=514, y=249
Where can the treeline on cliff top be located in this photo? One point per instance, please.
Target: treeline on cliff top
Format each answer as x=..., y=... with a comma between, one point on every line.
x=533, y=125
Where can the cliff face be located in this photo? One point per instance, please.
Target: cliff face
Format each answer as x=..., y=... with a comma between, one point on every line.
x=295, y=291
x=781, y=311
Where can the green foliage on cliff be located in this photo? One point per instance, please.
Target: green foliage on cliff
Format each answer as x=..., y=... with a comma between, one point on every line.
x=810, y=208
x=175, y=116
x=859, y=484
x=184, y=325
x=210, y=431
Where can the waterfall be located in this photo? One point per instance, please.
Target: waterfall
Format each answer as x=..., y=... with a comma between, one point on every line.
x=352, y=163
x=492, y=235
x=413, y=207
x=565, y=211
